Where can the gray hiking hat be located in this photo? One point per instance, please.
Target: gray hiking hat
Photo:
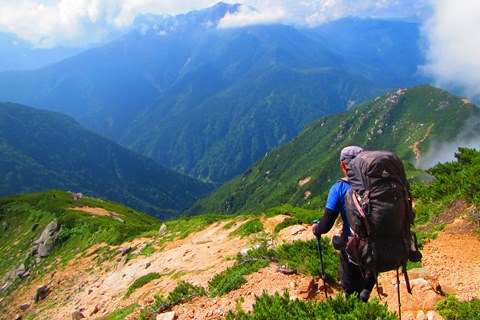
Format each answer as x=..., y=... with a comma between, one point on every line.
x=348, y=153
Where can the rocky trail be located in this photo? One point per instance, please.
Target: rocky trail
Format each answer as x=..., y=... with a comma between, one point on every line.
x=95, y=287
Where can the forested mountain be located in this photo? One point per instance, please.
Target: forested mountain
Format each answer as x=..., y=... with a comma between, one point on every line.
x=209, y=102
x=409, y=122
x=44, y=150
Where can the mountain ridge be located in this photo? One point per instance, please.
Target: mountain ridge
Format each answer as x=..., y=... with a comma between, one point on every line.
x=396, y=121
x=43, y=150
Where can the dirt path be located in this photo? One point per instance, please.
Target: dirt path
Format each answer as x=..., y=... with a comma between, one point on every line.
x=451, y=265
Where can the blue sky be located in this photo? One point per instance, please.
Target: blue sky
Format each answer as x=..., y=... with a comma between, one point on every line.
x=451, y=29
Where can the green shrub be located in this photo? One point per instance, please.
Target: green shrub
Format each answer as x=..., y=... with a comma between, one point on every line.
x=147, y=250
x=248, y=228
x=232, y=278
x=182, y=293
x=452, y=180
x=182, y=227
x=303, y=256
x=279, y=307
x=229, y=225
x=120, y=314
x=453, y=309
x=298, y=255
x=297, y=216
x=140, y=282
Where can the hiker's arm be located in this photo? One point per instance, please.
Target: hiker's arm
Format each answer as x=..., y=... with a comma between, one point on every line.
x=324, y=225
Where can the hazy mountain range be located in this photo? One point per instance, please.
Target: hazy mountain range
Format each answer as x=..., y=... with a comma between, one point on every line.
x=209, y=102
x=43, y=150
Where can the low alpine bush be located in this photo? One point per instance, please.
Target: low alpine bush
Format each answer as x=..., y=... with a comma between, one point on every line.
x=284, y=308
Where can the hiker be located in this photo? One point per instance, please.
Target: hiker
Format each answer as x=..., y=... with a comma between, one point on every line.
x=351, y=276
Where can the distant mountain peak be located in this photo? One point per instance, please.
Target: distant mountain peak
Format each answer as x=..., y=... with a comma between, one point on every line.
x=203, y=19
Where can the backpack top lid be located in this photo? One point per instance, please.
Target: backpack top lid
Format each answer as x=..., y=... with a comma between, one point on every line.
x=369, y=168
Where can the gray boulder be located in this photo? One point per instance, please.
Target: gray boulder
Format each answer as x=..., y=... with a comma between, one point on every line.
x=163, y=229
x=41, y=292
x=46, y=242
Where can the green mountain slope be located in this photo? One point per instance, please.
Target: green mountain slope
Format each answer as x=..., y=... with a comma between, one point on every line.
x=25, y=217
x=405, y=121
x=43, y=150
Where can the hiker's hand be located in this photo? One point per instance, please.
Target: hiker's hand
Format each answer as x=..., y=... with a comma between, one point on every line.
x=315, y=230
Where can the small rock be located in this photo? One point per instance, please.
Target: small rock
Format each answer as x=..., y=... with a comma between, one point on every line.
x=421, y=315
x=77, y=315
x=167, y=316
x=77, y=196
x=21, y=271
x=148, y=264
x=41, y=292
x=114, y=217
x=122, y=262
x=24, y=306
x=445, y=289
x=126, y=250
x=306, y=289
x=162, y=229
x=432, y=315
x=245, y=251
x=420, y=282
x=293, y=285
x=95, y=310
x=297, y=229
x=419, y=273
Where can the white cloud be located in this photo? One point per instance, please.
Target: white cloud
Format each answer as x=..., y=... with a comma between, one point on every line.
x=453, y=46
x=312, y=13
x=445, y=152
x=51, y=23
x=250, y=16
x=75, y=22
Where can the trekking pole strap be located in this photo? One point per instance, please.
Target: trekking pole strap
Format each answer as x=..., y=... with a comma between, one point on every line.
x=362, y=213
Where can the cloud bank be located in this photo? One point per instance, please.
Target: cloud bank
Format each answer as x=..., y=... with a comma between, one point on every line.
x=50, y=23
x=445, y=152
x=453, y=46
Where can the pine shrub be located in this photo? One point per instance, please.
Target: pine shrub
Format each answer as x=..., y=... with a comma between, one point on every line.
x=277, y=307
x=453, y=309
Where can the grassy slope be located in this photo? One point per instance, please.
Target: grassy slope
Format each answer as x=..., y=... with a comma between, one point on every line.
x=24, y=218
x=393, y=122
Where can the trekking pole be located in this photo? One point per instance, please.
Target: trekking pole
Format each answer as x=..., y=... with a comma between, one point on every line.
x=319, y=251
x=398, y=297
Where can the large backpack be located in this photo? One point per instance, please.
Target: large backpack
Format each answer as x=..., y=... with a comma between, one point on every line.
x=379, y=211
